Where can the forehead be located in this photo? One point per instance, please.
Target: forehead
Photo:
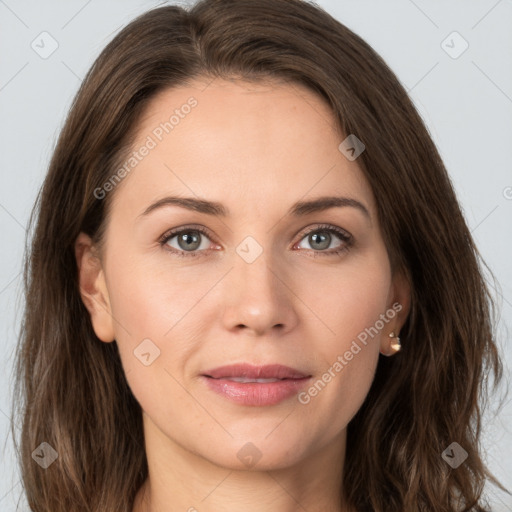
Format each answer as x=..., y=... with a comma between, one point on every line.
x=257, y=146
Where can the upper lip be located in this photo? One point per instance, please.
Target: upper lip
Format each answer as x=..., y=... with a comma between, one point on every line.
x=270, y=371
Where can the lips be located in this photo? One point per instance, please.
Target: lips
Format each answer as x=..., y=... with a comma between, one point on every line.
x=267, y=373
x=259, y=386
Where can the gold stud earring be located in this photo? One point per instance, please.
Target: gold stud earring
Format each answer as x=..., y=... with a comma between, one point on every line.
x=395, y=345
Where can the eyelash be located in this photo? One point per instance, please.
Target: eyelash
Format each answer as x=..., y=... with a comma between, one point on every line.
x=343, y=235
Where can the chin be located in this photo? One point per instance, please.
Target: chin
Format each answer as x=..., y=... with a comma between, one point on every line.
x=257, y=454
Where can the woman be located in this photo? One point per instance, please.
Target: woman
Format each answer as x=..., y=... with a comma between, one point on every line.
x=243, y=212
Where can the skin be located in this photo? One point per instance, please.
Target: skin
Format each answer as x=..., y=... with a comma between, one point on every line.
x=257, y=148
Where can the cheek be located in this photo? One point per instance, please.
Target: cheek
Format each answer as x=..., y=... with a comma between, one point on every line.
x=342, y=396
x=352, y=307
x=350, y=299
x=157, y=310
x=149, y=296
x=150, y=310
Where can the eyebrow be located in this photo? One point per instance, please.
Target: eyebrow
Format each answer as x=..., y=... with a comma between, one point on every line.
x=300, y=208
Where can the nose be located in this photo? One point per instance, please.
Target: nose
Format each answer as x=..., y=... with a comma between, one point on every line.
x=259, y=297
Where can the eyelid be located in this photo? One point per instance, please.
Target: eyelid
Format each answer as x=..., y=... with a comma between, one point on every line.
x=327, y=227
x=188, y=227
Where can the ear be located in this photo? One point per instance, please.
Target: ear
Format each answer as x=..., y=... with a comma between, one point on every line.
x=400, y=302
x=93, y=288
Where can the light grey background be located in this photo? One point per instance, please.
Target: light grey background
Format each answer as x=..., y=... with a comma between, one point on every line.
x=465, y=101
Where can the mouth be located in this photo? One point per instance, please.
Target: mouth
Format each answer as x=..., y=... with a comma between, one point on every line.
x=266, y=373
x=250, y=385
x=245, y=379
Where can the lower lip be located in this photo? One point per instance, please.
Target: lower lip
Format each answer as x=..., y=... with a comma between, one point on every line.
x=256, y=393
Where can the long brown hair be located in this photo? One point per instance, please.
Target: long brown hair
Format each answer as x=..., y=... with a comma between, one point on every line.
x=71, y=390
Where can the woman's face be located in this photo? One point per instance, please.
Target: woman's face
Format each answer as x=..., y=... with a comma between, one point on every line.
x=271, y=281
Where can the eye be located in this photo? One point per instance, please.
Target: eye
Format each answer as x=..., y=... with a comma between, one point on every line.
x=321, y=237
x=188, y=241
